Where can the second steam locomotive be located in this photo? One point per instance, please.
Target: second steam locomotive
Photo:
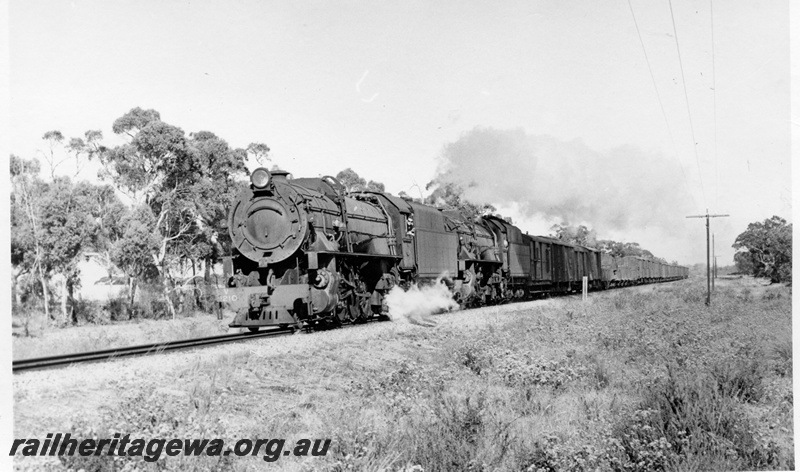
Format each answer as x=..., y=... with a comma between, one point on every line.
x=306, y=252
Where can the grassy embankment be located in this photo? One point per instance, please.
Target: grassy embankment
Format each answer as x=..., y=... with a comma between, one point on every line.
x=54, y=341
x=110, y=323
x=640, y=379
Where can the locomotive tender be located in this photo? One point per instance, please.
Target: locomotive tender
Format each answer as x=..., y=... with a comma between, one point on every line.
x=305, y=252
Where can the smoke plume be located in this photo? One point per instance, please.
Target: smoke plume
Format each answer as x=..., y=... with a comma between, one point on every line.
x=566, y=181
x=417, y=304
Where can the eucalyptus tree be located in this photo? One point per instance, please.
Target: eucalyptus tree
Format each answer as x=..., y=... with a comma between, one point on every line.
x=52, y=224
x=26, y=233
x=765, y=249
x=181, y=186
x=67, y=227
x=450, y=195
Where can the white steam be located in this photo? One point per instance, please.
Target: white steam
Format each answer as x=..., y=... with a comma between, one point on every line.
x=566, y=181
x=417, y=304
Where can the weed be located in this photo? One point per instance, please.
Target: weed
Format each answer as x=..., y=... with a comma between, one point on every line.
x=543, y=458
x=740, y=378
x=117, y=309
x=621, y=300
x=449, y=439
x=531, y=392
x=598, y=372
x=783, y=354
x=88, y=311
x=158, y=414
x=687, y=420
x=693, y=294
x=745, y=295
x=611, y=339
x=520, y=371
x=472, y=359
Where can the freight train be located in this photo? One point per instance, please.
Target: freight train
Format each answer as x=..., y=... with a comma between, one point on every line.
x=305, y=252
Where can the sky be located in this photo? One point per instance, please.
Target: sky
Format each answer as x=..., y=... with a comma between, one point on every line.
x=384, y=87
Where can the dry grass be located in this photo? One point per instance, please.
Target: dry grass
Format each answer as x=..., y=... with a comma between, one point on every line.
x=55, y=341
x=639, y=379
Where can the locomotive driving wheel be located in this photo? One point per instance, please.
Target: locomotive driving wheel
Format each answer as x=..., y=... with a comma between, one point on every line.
x=361, y=307
x=353, y=303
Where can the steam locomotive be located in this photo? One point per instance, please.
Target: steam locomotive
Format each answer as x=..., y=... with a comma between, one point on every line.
x=305, y=252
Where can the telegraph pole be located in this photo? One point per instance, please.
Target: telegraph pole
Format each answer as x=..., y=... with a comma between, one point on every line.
x=714, y=260
x=708, y=249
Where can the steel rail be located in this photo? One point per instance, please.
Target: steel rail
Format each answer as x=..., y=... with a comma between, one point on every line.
x=157, y=348
x=142, y=349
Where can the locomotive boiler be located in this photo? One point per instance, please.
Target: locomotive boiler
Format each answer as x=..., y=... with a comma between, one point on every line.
x=303, y=251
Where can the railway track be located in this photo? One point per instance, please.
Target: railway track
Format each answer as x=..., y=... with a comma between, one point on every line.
x=143, y=349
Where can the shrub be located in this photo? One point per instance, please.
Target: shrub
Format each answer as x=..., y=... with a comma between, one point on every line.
x=740, y=378
x=30, y=319
x=450, y=437
x=695, y=293
x=543, y=457
x=117, y=309
x=88, y=311
x=473, y=358
x=783, y=355
x=150, y=303
x=598, y=372
x=745, y=295
x=772, y=293
x=550, y=454
x=621, y=300
x=147, y=415
x=686, y=421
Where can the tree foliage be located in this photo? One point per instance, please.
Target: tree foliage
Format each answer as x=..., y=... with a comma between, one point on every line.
x=52, y=224
x=355, y=183
x=67, y=223
x=25, y=249
x=405, y=196
x=109, y=215
x=765, y=249
x=75, y=152
x=89, y=147
x=133, y=250
x=450, y=196
x=260, y=152
x=183, y=186
x=620, y=249
x=53, y=139
x=580, y=235
x=180, y=186
x=374, y=186
x=587, y=237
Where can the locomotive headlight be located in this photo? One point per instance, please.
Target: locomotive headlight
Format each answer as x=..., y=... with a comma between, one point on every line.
x=260, y=177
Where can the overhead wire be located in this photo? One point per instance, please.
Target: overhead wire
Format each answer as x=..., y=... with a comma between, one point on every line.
x=714, y=88
x=661, y=103
x=688, y=108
